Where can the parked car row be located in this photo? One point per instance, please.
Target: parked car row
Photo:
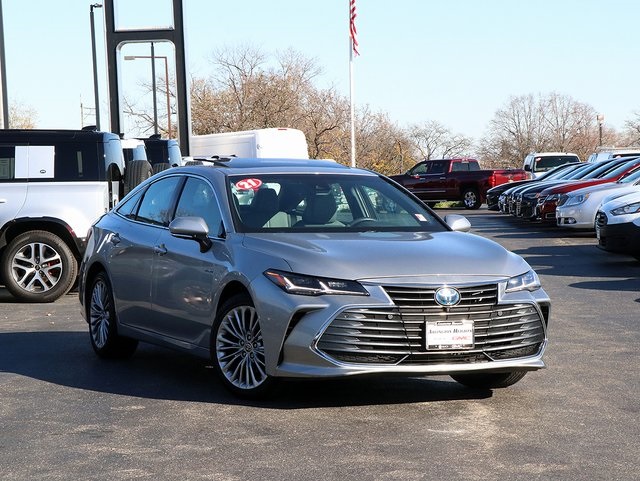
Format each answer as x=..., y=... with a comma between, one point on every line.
x=603, y=197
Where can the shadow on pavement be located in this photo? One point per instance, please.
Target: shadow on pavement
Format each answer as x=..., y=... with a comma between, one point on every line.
x=66, y=358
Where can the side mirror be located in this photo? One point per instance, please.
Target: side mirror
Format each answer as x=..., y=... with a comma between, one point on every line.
x=458, y=223
x=194, y=228
x=527, y=168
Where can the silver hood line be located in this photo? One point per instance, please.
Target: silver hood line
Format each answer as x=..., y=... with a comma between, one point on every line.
x=378, y=255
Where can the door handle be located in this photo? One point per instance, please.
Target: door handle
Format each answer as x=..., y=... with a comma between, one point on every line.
x=160, y=249
x=3, y=201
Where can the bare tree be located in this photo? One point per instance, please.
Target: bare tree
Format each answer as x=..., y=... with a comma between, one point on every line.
x=432, y=139
x=529, y=123
x=22, y=116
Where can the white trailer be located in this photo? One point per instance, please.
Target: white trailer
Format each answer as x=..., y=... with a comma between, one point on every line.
x=260, y=143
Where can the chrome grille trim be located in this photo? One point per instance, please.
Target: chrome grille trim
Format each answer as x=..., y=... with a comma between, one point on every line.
x=395, y=335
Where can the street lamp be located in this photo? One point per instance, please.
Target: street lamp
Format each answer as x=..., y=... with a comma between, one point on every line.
x=600, y=118
x=153, y=57
x=95, y=64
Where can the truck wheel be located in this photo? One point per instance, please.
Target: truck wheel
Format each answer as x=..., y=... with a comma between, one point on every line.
x=38, y=266
x=137, y=172
x=471, y=199
x=160, y=167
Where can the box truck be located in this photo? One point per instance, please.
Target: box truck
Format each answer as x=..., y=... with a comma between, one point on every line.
x=260, y=143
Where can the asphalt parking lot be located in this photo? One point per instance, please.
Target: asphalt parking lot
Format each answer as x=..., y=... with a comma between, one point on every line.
x=161, y=415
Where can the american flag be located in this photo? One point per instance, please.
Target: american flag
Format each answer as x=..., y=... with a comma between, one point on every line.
x=352, y=26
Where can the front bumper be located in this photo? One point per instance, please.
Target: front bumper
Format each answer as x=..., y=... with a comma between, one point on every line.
x=385, y=333
x=574, y=218
x=623, y=238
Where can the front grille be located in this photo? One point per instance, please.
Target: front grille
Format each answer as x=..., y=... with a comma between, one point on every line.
x=397, y=335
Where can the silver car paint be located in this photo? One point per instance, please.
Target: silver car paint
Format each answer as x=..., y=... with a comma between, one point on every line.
x=399, y=258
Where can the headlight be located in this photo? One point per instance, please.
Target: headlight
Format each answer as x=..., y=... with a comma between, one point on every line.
x=552, y=197
x=314, y=286
x=627, y=209
x=525, y=282
x=576, y=199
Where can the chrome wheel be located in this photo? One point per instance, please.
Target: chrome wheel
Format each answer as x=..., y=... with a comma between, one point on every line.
x=100, y=314
x=103, y=326
x=239, y=348
x=36, y=267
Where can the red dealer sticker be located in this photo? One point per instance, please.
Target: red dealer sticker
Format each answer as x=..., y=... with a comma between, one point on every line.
x=249, y=184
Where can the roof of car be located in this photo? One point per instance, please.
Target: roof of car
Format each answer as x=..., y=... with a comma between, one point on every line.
x=236, y=165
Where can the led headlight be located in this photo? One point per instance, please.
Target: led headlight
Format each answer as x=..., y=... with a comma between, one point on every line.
x=576, y=199
x=525, y=282
x=627, y=209
x=314, y=286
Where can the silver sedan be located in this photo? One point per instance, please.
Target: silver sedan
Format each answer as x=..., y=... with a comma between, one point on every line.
x=328, y=271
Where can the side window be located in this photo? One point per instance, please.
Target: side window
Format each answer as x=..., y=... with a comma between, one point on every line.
x=459, y=167
x=419, y=169
x=129, y=208
x=7, y=162
x=79, y=161
x=198, y=199
x=157, y=202
x=437, y=168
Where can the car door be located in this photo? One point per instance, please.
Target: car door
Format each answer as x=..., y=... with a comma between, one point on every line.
x=184, y=278
x=133, y=243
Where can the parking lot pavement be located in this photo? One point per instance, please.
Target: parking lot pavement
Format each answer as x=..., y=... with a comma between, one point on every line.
x=161, y=415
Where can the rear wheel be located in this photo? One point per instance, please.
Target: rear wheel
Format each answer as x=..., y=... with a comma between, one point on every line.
x=137, y=171
x=489, y=380
x=103, y=329
x=160, y=167
x=38, y=266
x=238, y=350
x=471, y=199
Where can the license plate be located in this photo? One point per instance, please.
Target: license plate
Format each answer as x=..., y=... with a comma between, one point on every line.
x=445, y=335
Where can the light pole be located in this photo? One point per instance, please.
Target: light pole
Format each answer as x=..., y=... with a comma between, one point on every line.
x=153, y=58
x=600, y=118
x=95, y=64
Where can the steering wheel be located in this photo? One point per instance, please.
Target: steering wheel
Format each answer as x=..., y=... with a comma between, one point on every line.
x=360, y=220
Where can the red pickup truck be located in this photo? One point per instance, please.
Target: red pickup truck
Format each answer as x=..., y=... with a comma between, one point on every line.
x=455, y=180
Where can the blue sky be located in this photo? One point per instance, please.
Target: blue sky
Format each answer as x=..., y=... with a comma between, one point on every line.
x=453, y=61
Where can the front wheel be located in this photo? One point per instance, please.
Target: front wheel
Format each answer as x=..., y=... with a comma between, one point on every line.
x=103, y=330
x=471, y=199
x=489, y=380
x=38, y=266
x=237, y=348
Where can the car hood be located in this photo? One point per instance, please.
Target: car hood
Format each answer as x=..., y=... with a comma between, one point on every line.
x=376, y=255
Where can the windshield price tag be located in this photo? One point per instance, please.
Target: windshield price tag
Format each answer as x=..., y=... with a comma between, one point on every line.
x=445, y=335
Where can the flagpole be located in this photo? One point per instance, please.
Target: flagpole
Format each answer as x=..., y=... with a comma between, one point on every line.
x=352, y=48
x=352, y=107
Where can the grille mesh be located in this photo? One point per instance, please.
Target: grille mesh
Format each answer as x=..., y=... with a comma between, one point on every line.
x=397, y=335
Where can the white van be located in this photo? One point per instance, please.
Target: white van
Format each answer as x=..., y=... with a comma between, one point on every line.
x=536, y=163
x=260, y=143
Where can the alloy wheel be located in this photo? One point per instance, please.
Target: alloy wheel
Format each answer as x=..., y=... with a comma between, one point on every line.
x=37, y=267
x=239, y=348
x=100, y=314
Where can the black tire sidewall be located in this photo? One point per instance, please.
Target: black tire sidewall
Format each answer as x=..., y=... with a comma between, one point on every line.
x=69, y=266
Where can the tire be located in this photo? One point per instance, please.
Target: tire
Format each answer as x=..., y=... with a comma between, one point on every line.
x=237, y=350
x=38, y=266
x=103, y=329
x=159, y=167
x=137, y=171
x=471, y=199
x=489, y=380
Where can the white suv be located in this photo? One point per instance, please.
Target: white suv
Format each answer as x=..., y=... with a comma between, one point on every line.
x=536, y=163
x=53, y=185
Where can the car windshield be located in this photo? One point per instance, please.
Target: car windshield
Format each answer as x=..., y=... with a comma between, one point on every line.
x=631, y=177
x=325, y=203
